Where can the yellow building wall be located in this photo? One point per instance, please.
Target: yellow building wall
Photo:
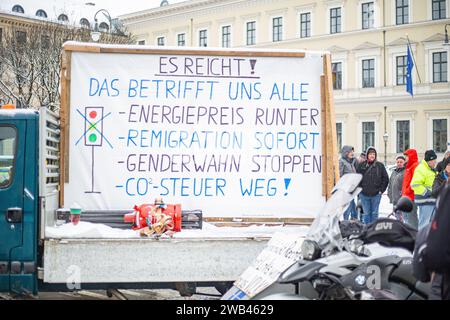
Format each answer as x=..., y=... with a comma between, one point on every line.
x=353, y=104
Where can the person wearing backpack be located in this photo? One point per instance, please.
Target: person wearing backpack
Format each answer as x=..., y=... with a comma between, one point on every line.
x=374, y=182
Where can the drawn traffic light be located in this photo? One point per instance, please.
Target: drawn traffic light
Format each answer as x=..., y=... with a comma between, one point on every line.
x=93, y=126
x=93, y=135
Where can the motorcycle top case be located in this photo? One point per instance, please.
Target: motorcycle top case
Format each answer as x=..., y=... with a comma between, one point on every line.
x=390, y=233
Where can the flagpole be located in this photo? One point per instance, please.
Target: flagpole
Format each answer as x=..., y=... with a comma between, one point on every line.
x=414, y=59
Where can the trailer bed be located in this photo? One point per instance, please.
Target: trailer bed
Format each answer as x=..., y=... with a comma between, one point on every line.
x=191, y=256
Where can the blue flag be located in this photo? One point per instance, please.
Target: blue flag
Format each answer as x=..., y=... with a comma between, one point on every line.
x=409, y=68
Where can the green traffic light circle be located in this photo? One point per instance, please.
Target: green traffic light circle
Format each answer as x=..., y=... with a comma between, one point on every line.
x=92, y=137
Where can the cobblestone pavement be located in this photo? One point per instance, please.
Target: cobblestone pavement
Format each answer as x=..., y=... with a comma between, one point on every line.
x=204, y=293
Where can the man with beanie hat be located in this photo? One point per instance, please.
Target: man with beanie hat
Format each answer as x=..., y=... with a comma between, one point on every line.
x=422, y=184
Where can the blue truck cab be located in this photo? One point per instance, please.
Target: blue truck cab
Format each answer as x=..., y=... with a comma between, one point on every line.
x=19, y=200
x=31, y=260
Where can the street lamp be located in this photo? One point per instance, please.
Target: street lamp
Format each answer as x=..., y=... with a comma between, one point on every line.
x=95, y=35
x=385, y=138
x=446, y=43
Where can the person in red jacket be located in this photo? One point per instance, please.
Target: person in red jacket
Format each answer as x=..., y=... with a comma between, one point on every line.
x=412, y=161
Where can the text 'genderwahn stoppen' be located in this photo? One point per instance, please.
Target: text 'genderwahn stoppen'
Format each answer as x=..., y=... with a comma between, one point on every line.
x=265, y=163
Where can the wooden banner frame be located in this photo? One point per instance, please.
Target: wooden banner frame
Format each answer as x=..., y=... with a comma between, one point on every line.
x=330, y=169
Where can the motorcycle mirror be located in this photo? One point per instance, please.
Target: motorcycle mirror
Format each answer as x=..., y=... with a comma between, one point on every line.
x=404, y=204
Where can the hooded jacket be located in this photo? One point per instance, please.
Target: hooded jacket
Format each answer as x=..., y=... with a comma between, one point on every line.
x=346, y=164
x=422, y=184
x=413, y=162
x=375, y=177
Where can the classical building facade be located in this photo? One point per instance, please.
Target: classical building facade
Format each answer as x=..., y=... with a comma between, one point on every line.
x=72, y=12
x=368, y=41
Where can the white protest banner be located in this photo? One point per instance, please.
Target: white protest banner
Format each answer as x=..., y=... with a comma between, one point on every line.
x=231, y=135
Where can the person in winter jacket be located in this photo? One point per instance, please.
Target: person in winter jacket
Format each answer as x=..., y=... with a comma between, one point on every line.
x=374, y=182
x=441, y=179
x=412, y=161
x=395, y=191
x=436, y=256
x=441, y=165
x=347, y=165
x=422, y=183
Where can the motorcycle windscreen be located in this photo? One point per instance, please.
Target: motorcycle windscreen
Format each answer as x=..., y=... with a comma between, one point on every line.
x=325, y=228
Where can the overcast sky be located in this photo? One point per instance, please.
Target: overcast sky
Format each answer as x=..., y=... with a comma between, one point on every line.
x=117, y=8
x=78, y=7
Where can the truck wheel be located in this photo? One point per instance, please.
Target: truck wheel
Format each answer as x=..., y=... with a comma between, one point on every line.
x=223, y=287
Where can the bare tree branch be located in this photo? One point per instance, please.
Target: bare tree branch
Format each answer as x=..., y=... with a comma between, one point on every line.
x=30, y=60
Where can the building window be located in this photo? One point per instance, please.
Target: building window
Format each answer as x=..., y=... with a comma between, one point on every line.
x=367, y=15
x=1, y=35
x=439, y=67
x=335, y=20
x=45, y=42
x=161, y=41
x=181, y=39
x=103, y=27
x=438, y=9
x=402, y=136
x=41, y=13
x=440, y=137
x=368, y=73
x=277, y=29
x=203, y=38
x=339, y=135
x=141, y=42
x=305, y=25
x=226, y=36
x=84, y=23
x=21, y=37
x=337, y=75
x=251, y=33
x=401, y=70
x=401, y=12
x=63, y=18
x=368, y=134
x=8, y=136
x=18, y=9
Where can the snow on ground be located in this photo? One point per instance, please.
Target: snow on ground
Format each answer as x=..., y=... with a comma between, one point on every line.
x=97, y=230
x=88, y=230
x=212, y=231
